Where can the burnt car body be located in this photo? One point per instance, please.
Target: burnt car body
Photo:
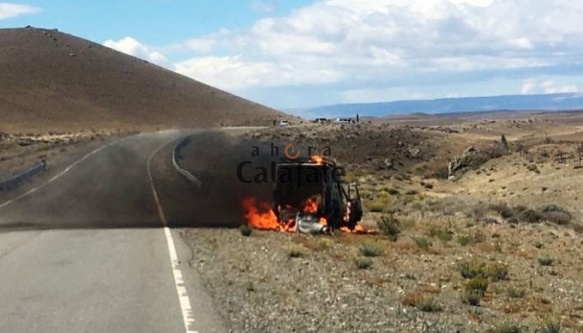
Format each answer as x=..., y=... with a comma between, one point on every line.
x=310, y=193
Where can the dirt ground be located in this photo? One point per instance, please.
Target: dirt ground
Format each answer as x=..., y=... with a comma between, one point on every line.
x=497, y=248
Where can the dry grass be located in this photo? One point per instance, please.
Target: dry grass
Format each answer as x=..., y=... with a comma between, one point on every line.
x=503, y=231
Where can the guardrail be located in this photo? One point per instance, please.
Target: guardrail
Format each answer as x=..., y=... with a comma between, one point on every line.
x=19, y=178
x=177, y=155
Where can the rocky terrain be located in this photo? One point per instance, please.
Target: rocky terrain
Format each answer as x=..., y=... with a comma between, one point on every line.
x=495, y=248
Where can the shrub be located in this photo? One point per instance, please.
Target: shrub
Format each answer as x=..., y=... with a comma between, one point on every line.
x=464, y=240
x=389, y=226
x=370, y=250
x=479, y=212
x=377, y=206
x=467, y=239
x=530, y=216
x=423, y=243
x=428, y=304
x=246, y=230
x=479, y=237
x=546, y=260
x=475, y=269
x=516, y=292
x=559, y=218
x=512, y=220
x=503, y=210
x=363, y=263
x=393, y=191
x=497, y=272
x=295, y=251
x=470, y=270
x=506, y=327
x=441, y=173
x=411, y=299
x=471, y=297
x=551, y=324
x=478, y=285
x=556, y=214
x=445, y=235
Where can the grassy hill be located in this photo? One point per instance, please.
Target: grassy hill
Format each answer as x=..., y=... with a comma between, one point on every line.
x=52, y=81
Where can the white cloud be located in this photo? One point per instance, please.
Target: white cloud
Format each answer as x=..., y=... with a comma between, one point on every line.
x=390, y=45
x=203, y=45
x=234, y=74
x=262, y=6
x=11, y=10
x=537, y=86
x=477, y=3
x=130, y=46
x=367, y=38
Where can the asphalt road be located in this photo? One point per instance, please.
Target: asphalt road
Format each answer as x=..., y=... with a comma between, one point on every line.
x=88, y=251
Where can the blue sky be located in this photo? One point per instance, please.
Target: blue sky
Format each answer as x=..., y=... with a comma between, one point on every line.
x=301, y=53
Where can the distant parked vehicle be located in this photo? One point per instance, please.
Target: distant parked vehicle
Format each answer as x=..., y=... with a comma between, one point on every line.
x=283, y=123
x=344, y=120
x=321, y=120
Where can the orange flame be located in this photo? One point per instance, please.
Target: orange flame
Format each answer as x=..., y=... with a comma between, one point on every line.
x=317, y=159
x=358, y=230
x=259, y=215
x=311, y=206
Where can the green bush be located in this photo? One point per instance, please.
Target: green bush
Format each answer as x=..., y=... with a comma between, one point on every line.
x=497, y=272
x=464, y=240
x=474, y=269
x=389, y=226
x=530, y=216
x=428, y=304
x=295, y=251
x=370, y=250
x=377, y=206
x=478, y=285
x=363, y=263
x=445, y=235
x=423, y=243
x=516, y=293
x=551, y=324
x=546, y=260
x=246, y=230
x=471, y=297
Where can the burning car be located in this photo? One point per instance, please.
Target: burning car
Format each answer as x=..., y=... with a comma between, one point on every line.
x=309, y=196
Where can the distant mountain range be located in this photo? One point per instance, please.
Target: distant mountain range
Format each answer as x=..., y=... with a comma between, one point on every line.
x=563, y=101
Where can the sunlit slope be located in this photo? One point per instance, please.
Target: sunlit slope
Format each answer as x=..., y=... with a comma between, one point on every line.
x=55, y=81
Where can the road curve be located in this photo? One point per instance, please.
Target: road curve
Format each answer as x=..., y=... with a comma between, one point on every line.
x=92, y=256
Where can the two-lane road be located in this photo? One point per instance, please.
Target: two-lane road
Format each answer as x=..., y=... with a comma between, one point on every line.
x=96, y=256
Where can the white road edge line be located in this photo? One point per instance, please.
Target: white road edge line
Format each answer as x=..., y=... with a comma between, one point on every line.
x=183, y=298
x=60, y=174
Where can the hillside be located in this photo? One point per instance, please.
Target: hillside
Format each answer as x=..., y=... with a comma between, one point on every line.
x=563, y=101
x=52, y=81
